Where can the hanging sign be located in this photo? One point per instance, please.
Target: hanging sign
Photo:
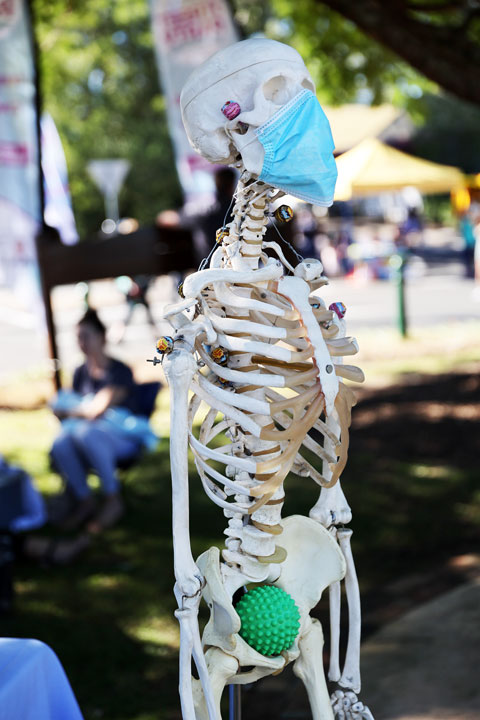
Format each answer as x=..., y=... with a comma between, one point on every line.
x=186, y=33
x=19, y=178
x=18, y=133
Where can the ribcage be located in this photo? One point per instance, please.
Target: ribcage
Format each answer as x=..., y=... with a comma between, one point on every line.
x=265, y=405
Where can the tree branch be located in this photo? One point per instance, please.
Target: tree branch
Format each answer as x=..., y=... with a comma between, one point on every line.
x=441, y=53
x=469, y=16
x=436, y=7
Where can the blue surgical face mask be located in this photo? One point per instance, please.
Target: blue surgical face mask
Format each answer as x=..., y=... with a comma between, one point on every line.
x=299, y=148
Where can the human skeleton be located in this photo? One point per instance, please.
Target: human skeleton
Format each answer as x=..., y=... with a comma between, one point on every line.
x=255, y=344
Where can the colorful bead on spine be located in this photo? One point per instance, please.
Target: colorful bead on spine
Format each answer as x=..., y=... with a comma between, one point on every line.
x=283, y=214
x=165, y=345
x=231, y=109
x=220, y=355
x=221, y=233
x=270, y=619
x=339, y=308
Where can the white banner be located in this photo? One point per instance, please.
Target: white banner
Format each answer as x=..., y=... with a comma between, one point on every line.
x=58, y=211
x=186, y=33
x=19, y=187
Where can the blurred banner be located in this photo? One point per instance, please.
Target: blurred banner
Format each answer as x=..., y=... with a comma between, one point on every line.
x=20, y=204
x=186, y=33
x=58, y=211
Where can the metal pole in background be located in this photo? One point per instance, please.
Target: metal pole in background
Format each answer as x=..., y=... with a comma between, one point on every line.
x=398, y=263
x=111, y=207
x=234, y=702
x=42, y=232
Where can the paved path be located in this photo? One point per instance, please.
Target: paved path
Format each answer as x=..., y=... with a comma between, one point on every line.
x=430, y=300
x=439, y=297
x=427, y=663
x=423, y=666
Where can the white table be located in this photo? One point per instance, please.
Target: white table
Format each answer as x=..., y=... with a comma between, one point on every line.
x=33, y=684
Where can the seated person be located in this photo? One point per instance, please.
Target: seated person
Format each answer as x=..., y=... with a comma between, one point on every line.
x=97, y=428
x=22, y=513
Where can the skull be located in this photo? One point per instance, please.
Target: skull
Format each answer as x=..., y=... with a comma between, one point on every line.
x=261, y=76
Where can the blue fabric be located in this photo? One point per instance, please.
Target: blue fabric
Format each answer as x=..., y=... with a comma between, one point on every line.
x=467, y=230
x=98, y=444
x=21, y=506
x=299, y=148
x=136, y=427
x=86, y=444
x=145, y=397
x=34, y=685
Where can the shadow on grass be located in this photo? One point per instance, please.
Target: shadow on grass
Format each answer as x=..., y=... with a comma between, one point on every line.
x=109, y=617
x=411, y=479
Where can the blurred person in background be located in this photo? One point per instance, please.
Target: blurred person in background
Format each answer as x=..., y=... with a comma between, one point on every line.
x=410, y=231
x=23, y=512
x=476, y=256
x=90, y=437
x=467, y=231
x=135, y=290
x=306, y=231
x=343, y=242
x=205, y=223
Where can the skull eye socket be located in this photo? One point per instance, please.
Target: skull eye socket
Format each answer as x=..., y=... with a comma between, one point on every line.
x=239, y=129
x=235, y=129
x=282, y=88
x=274, y=89
x=308, y=85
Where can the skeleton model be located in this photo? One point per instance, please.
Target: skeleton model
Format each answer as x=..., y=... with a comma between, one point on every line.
x=254, y=344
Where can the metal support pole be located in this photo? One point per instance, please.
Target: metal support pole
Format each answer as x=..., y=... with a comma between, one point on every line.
x=42, y=230
x=398, y=263
x=111, y=206
x=234, y=702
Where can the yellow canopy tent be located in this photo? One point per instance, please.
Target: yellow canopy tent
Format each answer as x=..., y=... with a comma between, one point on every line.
x=373, y=167
x=353, y=123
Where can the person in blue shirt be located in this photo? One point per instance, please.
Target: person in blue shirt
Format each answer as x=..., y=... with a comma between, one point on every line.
x=88, y=439
x=467, y=230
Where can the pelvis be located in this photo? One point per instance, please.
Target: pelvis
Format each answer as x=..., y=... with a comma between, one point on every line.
x=314, y=561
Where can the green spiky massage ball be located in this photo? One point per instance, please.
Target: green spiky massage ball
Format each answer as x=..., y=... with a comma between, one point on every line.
x=270, y=619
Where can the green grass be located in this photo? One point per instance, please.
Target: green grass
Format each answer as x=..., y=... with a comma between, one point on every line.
x=110, y=617
x=386, y=357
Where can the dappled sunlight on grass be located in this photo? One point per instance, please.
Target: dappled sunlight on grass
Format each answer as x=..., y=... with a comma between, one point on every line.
x=104, y=582
x=161, y=417
x=411, y=481
x=110, y=616
x=385, y=356
x=25, y=437
x=469, y=512
x=162, y=632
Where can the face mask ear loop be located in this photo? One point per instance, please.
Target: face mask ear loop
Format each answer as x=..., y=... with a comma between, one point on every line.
x=299, y=257
x=206, y=260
